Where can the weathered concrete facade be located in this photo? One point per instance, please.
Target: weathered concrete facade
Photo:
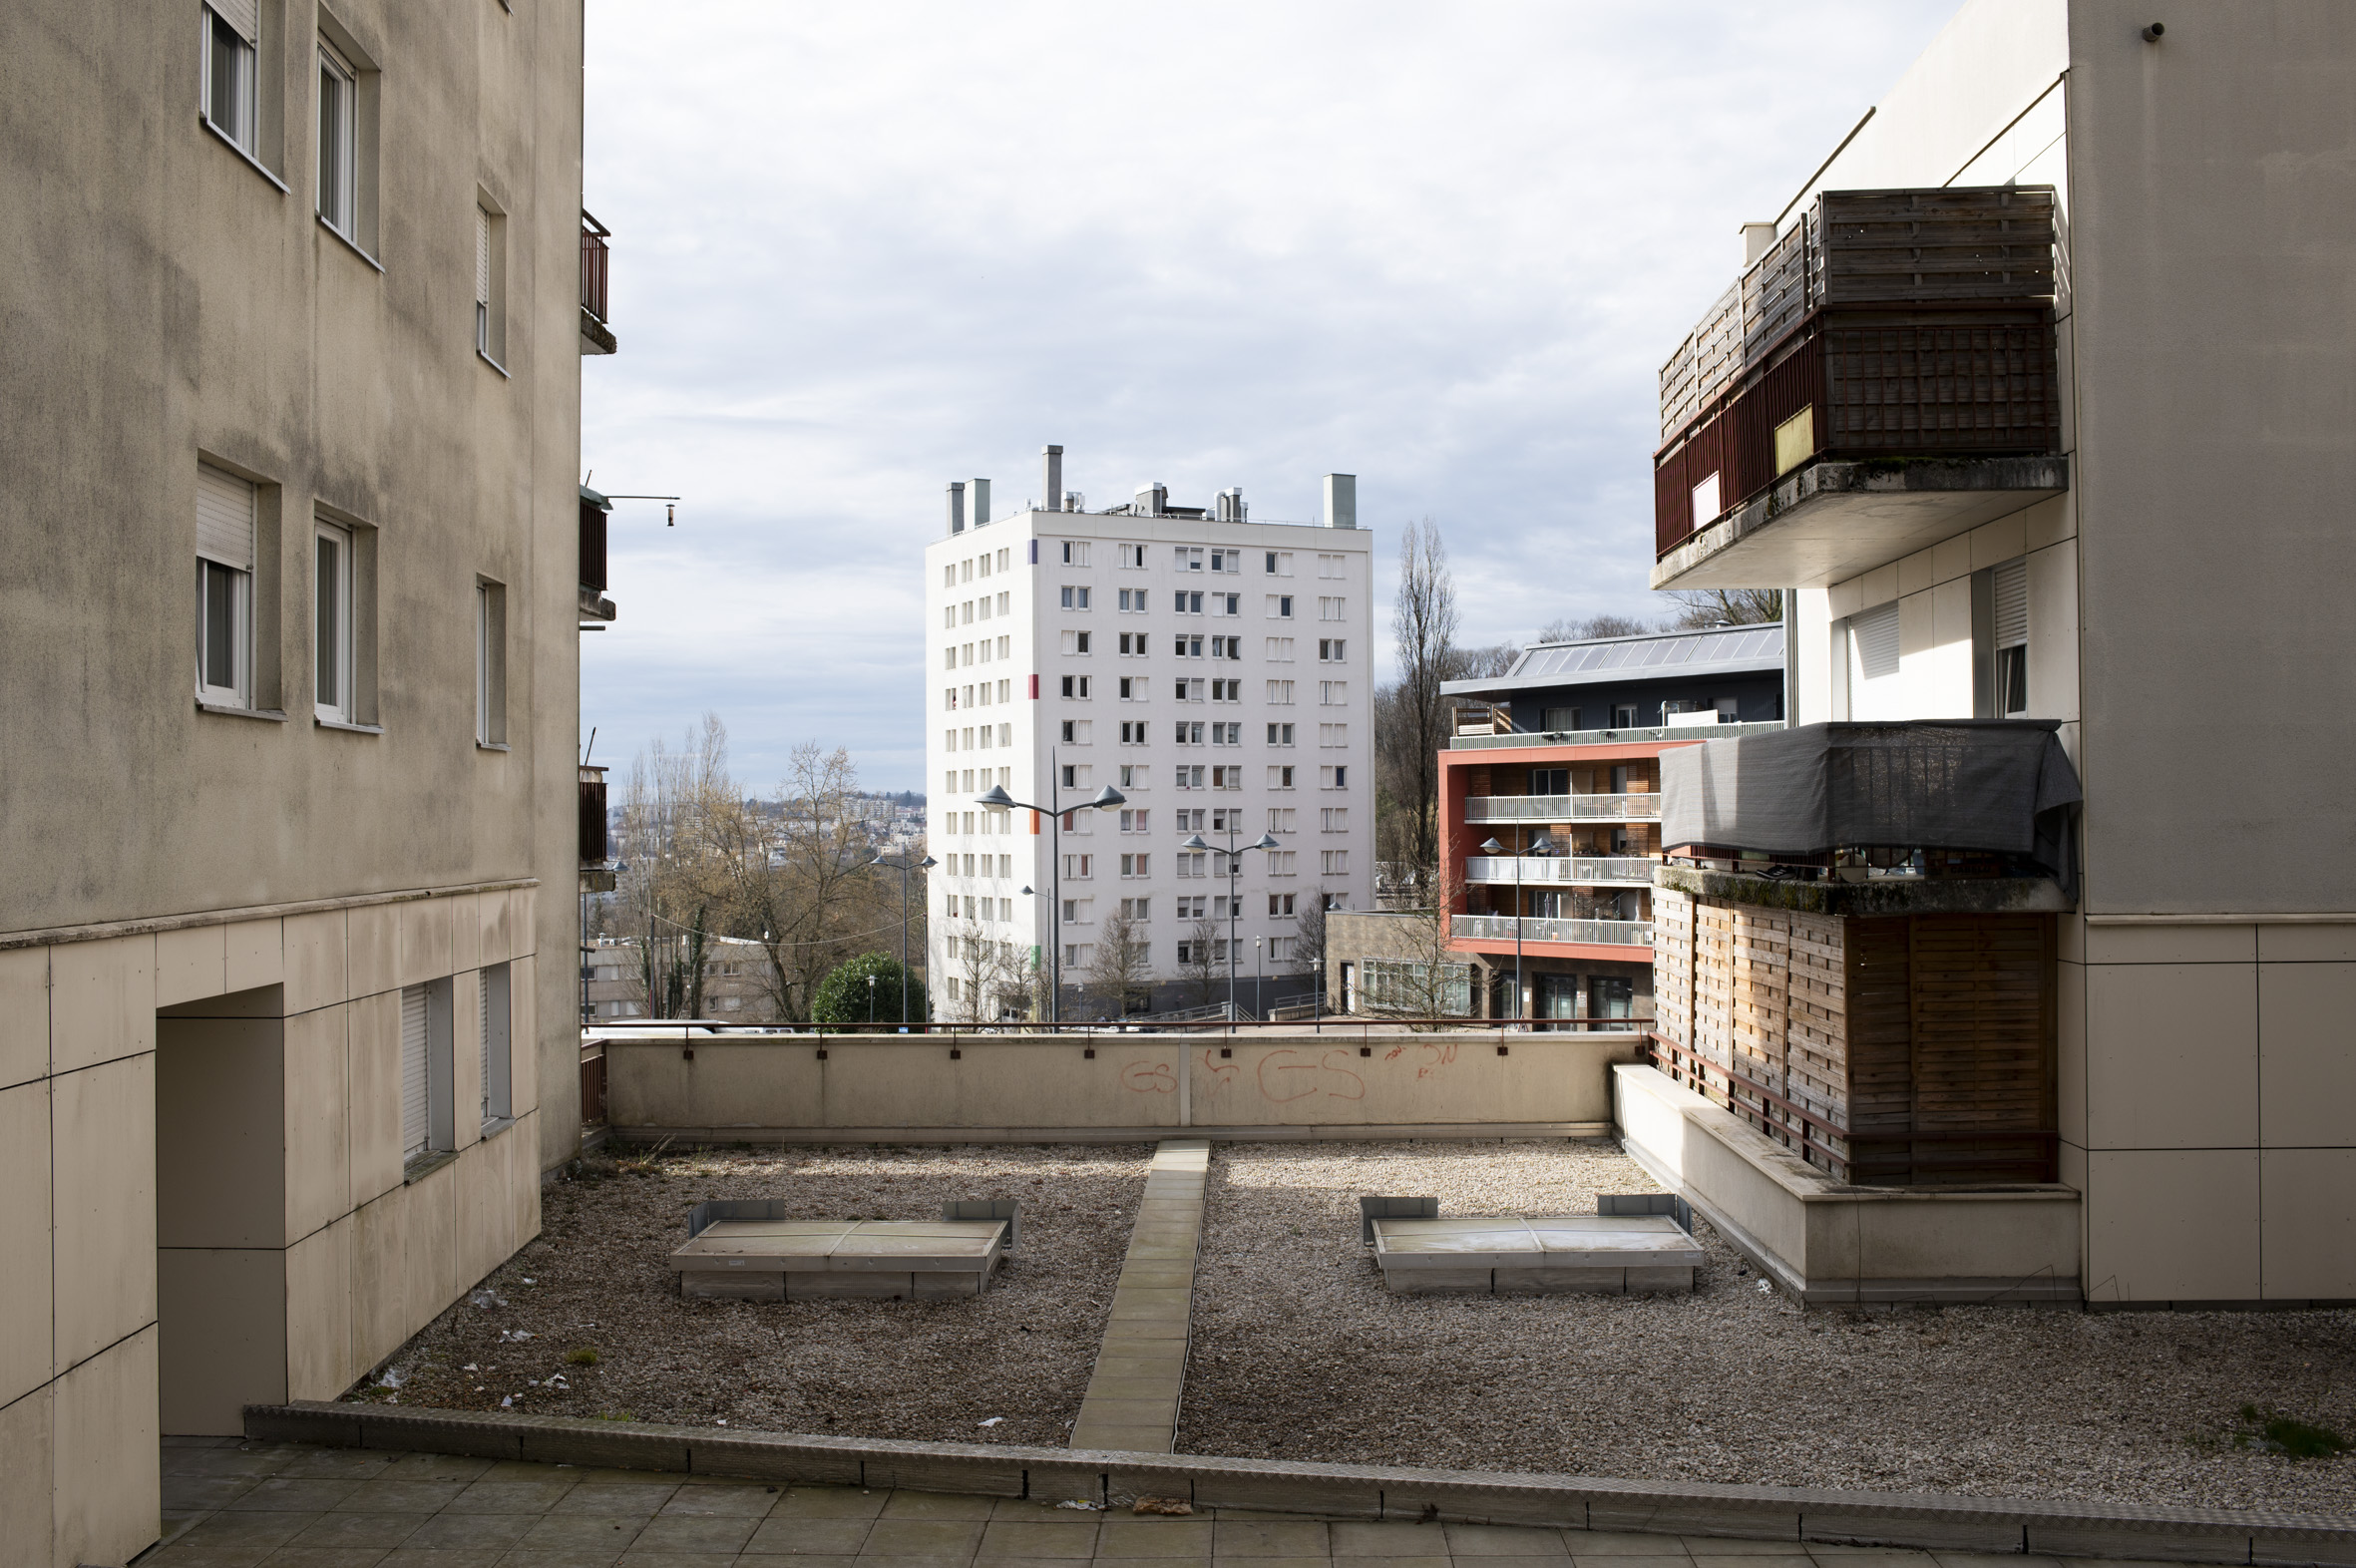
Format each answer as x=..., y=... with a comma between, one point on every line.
x=212, y=911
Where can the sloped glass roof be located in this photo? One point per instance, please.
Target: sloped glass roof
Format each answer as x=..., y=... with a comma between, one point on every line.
x=1743, y=644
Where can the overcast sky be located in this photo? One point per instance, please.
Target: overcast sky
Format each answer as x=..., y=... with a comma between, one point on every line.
x=861, y=251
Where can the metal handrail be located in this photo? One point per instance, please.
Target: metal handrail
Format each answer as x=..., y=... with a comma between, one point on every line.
x=1593, y=933
x=1575, y=870
x=1563, y=808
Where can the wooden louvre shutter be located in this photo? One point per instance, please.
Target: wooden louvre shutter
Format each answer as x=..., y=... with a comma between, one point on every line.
x=243, y=17
x=224, y=518
x=415, y=1122
x=2012, y=605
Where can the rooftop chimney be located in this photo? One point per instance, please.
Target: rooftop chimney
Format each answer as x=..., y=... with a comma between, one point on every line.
x=1340, y=500
x=1053, y=489
x=1152, y=497
x=980, y=497
x=1231, y=505
x=1757, y=241
x=957, y=505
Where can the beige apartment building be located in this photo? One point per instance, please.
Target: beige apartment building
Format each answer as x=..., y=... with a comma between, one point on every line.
x=2037, y=394
x=295, y=316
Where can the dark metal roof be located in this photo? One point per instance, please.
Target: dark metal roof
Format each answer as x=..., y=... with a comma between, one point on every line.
x=1720, y=651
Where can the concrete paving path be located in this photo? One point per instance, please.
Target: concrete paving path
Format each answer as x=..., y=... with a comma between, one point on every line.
x=1132, y=1398
x=229, y=1505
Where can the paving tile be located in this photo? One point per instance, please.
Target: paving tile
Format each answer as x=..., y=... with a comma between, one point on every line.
x=248, y=1529
x=435, y=1468
x=830, y=1502
x=1868, y=1556
x=1151, y=1537
x=1046, y=1538
x=1154, y=1387
x=508, y=1496
x=637, y=1559
x=537, y=1557
x=278, y=1494
x=1340, y=1561
x=583, y=1532
x=1281, y=1562
x=203, y=1493
x=326, y=1557
x=1389, y=1538
x=1270, y=1538
x=447, y=1531
x=1701, y=1546
x=400, y=1497
x=357, y=1464
x=182, y=1556
x=807, y=1537
x=615, y=1498
x=385, y=1530
x=886, y=1560
x=439, y=1557
x=694, y=1532
x=937, y=1505
x=1992, y=1560
x=1503, y=1540
x=957, y=1538
x=1622, y=1543
x=218, y=1461
x=1132, y=1562
x=745, y=1500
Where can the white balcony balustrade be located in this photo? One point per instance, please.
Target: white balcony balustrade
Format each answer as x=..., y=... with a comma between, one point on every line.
x=1577, y=871
x=1563, y=808
x=1591, y=933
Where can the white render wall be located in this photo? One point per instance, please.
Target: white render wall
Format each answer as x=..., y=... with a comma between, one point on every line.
x=1018, y=740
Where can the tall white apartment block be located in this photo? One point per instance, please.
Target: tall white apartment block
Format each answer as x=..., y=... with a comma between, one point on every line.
x=1215, y=671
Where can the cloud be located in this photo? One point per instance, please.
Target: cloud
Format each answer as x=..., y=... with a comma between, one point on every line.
x=860, y=252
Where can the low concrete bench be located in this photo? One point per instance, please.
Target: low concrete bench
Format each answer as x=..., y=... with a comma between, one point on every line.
x=1607, y=1254
x=747, y=1251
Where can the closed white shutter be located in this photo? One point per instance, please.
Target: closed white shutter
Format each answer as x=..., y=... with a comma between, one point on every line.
x=242, y=15
x=2012, y=605
x=224, y=518
x=482, y=258
x=414, y=1121
x=1877, y=635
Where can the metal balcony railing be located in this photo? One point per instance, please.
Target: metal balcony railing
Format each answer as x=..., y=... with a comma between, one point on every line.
x=593, y=254
x=1563, y=808
x=1582, y=871
x=1593, y=933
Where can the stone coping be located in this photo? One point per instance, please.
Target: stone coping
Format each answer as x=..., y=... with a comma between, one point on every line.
x=1387, y=1132
x=1344, y=1491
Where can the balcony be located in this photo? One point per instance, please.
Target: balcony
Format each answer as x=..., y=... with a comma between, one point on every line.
x=1882, y=378
x=596, y=337
x=1586, y=933
x=1563, y=808
x=596, y=870
x=1577, y=871
x=594, y=608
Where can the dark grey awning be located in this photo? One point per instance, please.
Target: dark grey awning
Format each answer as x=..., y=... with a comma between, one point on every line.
x=2001, y=786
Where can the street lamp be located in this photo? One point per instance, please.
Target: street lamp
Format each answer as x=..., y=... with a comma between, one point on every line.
x=1541, y=845
x=1234, y=859
x=999, y=800
x=904, y=868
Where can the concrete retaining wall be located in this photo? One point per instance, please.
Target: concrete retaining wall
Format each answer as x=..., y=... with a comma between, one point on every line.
x=1342, y=1081
x=1827, y=1242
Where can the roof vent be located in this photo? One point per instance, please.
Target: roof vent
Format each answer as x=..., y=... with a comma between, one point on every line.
x=1340, y=500
x=1154, y=498
x=979, y=494
x=1231, y=505
x=1052, y=460
x=957, y=505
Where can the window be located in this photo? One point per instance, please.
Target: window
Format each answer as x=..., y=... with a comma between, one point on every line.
x=982, y=564
x=1189, y=734
x=1188, y=604
x=1624, y=716
x=232, y=32
x=1227, y=648
x=1227, y=561
x=1189, y=647
x=1280, y=905
x=1076, y=732
x=1559, y=719
x=1134, y=821
x=1190, y=821
x=1280, y=693
x=490, y=283
x=1330, y=608
x=1133, y=732
x=1193, y=862
x=1334, y=819
x=1132, y=555
x=1076, y=776
x=427, y=1121
x=1227, y=734
x=1134, y=775
x=1187, y=558
x=949, y=574
x=1006, y=600
x=1281, y=862
x=339, y=126
x=1079, y=911
x=1279, y=650
x=1076, y=643
x=1280, y=607
x=1136, y=908
x=1076, y=551
x=1080, y=954
x=1279, y=563
x=1135, y=865
x=331, y=623
x=2011, y=593
x=1280, y=819
x=1227, y=691
x=1279, y=734
x=490, y=664
x=1133, y=644
x=1333, y=778
x=1550, y=781
x=1876, y=637
x=1005, y=556
x=1075, y=597
x=949, y=617
x=1333, y=694
x=1227, y=604
x=965, y=571
x=1335, y=566
x=1280, y=778
x=498, y=1044
x=1227, y=778
x=1331, y=650
x=1079, y=868
x=1190, y=778
x=1333, y=734
x=1075, y=686
x=1133, y=600
x=225, y=588
x=965, y=612
x=1186, y=690
x=1333, y=863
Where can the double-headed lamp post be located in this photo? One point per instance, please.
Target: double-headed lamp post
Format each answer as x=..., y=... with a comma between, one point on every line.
x=904, y=868
x=1105, y=799
x=1234, y=859
x=1541, y=845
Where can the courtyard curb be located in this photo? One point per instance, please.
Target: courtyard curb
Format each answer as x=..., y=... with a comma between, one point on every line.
x=1345, y=1491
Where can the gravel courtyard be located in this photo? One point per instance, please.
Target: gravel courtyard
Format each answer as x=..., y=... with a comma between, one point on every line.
x=595, y=1282
x=1301, y=1353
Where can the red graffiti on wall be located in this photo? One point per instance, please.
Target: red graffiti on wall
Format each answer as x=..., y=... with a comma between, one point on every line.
x=1222, y=1074
x=1431, y=1055
x=1282, y=1079
x=1149, y=1077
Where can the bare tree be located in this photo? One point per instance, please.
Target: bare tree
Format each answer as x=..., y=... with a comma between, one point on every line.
x=1196, y=962
x=1118, y=973
x=1698, y=607
x=1424, y=976
x=1592, y=627
x=1424, y=630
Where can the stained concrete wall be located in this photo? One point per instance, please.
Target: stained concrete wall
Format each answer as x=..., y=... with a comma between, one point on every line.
x=904, y=1087
x=169, y=303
